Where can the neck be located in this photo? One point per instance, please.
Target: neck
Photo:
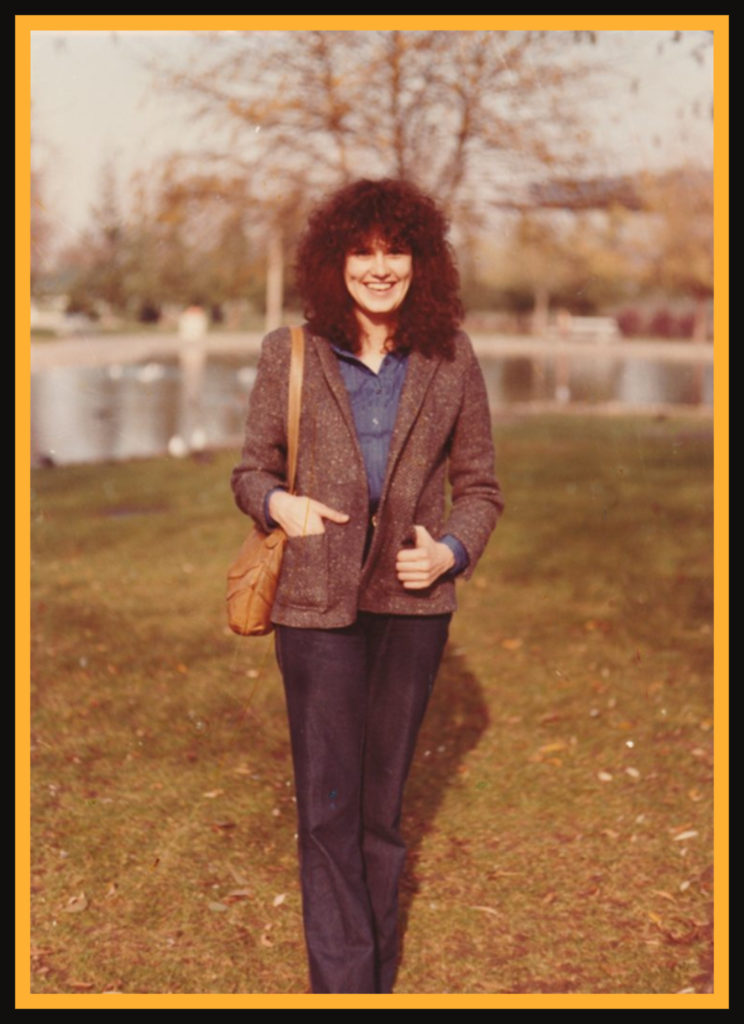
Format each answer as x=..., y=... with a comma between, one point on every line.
x=374, y=334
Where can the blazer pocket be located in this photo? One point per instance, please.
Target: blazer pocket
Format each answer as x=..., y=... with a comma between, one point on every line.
x=304, y=579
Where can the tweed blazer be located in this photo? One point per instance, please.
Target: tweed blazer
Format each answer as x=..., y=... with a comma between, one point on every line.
x=442, y=432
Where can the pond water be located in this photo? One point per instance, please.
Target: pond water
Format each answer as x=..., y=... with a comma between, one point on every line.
x=93, y=414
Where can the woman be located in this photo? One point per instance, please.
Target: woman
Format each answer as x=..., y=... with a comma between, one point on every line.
x=393, y=405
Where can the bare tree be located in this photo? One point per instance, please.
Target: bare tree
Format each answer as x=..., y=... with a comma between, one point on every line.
x=461, y=113
x=424, y=105
x=680, y=251
x=40, y=230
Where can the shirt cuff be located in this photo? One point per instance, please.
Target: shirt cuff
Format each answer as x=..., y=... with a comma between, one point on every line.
x=271, y=523
x=458, y=550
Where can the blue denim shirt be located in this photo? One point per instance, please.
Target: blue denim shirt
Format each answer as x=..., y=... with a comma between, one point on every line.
x=374, y=399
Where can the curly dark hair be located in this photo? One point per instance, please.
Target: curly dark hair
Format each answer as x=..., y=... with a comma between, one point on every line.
x=398, y=214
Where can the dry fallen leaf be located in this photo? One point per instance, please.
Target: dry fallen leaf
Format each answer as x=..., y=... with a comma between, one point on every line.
x=41, y=950
x=548, y=748
x=76, y=903
x=278, y=900
x=664, y=895
x=685, y=938
x=512, y=643
x=689, y=834
x=238, y=894
x=487, y=910
x=239, y=877
x=592, y=891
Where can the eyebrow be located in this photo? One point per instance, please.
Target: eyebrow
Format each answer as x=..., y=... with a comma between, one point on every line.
x=389, y=245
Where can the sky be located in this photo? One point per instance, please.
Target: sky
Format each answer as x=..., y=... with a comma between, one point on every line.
x=93, y=101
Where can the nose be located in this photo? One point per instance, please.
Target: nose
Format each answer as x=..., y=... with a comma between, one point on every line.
x=380, y=265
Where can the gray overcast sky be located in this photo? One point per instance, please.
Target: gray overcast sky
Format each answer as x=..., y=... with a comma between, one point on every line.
x=93, y=101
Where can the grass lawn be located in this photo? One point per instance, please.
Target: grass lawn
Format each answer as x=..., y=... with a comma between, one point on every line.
x=559, y=813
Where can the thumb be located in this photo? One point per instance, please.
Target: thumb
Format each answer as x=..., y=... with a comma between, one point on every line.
x=423, y=537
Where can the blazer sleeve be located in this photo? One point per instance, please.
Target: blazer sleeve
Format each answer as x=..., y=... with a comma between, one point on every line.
x=263, y=463
x=477, y=500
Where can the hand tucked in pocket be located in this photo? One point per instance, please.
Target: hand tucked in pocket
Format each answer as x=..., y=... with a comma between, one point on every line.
x=300, y=516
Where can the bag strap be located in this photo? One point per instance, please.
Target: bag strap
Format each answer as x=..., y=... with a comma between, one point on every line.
x=296, y=368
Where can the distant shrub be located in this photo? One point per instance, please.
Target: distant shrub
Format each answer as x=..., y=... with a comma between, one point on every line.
x=149, y=313
x=80, y=303
x=662, y=324
x=686, y=326
x=629, y=322
x=665, y=324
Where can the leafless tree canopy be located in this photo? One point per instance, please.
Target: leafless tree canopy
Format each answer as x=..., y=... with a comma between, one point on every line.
x=458, y=112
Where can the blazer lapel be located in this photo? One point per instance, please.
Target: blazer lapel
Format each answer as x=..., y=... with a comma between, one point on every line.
x=329, y=364
x=418, y=377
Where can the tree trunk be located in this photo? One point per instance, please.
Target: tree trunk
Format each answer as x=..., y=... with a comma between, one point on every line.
x=540, y=310
x=274, y=280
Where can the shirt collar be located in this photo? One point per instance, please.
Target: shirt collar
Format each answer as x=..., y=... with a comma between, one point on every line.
x=343, y=353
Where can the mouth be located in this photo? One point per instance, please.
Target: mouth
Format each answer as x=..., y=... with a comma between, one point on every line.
x=380, y=286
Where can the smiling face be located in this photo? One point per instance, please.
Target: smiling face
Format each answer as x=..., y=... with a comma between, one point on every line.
x=378, y=276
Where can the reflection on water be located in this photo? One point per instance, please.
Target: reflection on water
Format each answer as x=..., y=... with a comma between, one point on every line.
x=91, y=414
x=632, y=382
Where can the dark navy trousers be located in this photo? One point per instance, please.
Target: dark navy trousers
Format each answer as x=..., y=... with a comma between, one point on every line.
x=355, y=698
